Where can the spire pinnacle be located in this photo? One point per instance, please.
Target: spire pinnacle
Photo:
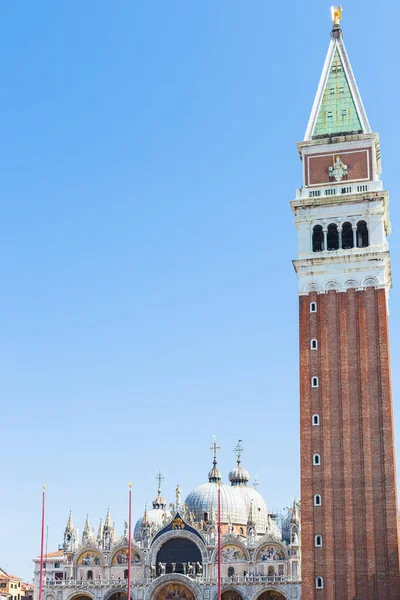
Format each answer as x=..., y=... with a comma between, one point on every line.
x=338, y=109
x=70, y=523
x=100, y=532
x=107, y=523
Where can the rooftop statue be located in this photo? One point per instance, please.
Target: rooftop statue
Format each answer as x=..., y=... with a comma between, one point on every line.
x=336, y=14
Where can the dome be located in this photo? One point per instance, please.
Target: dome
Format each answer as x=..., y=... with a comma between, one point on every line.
x=239, y=475
x=254, y=501
x=156, y=517
x=204, y=499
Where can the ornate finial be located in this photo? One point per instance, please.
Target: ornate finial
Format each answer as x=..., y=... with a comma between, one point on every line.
x=336, y=12
x=130, y=485
x=159, y=478
x=238, y=450
x=256, y=483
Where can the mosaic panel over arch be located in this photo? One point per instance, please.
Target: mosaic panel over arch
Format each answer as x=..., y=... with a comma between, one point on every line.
x=271, y=552
x=121, y=557
x=174, y=591
x=232, y=553
x=89, y=559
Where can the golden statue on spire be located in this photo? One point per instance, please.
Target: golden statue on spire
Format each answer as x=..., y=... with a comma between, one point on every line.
x=336, y=14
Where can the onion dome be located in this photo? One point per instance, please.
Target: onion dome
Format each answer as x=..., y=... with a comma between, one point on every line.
x=239, y=475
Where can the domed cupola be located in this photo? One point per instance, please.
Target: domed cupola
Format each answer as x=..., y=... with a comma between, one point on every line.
x=256, y=509
x=214, y=476
x=239, y=475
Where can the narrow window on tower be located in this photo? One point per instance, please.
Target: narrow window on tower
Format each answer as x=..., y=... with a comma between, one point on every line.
x=318, y=541
x=317, y=500
x=314, y=382
x=314, y=344
x=126, y=574
x=315, y=419
x=319, y=583
x=313, y=307
x=316, y=460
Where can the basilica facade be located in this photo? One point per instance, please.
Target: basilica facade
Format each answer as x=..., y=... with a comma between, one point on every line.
x=174, y=549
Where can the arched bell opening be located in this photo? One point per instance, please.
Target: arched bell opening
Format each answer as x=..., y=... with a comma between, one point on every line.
x=347, y=236
x=333, y=237
x=317, y=239
x=362, y=234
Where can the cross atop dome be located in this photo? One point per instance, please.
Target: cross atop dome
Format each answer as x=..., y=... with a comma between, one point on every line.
x=238, y=450
x=159, y=478
x=159, y=501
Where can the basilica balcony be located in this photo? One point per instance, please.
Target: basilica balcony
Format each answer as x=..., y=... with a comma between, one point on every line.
x=200, y=580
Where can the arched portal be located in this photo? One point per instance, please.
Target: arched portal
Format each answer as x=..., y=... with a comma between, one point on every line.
x=231, y=595
x=174, y=591
x=271, y=595
x=179, y=555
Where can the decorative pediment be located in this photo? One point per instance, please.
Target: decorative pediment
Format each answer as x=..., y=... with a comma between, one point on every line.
x=177, y=523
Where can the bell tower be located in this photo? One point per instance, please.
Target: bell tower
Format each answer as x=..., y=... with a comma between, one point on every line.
x=348, y=480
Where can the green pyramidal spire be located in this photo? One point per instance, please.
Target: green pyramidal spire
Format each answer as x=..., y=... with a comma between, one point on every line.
x=337, y=112
x=338, y=108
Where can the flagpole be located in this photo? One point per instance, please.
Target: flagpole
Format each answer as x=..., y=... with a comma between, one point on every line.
x=129, y=541
x=42, y=545
x=219, y=539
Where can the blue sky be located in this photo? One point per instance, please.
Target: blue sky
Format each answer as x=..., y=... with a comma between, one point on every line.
x=147, y=158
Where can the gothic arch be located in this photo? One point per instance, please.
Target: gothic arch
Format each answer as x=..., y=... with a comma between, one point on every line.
x=232, y=542
x=270, y=588
x=158, y=583
x=169, y=535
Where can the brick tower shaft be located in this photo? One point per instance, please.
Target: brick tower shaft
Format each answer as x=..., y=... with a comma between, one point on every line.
x=348, y=479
